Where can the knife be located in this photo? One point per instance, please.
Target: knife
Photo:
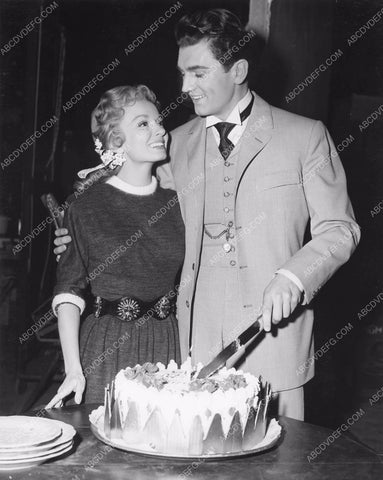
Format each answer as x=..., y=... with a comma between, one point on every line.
x=219, y=361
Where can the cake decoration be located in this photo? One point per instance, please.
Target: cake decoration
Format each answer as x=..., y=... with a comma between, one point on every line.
x=168, y=410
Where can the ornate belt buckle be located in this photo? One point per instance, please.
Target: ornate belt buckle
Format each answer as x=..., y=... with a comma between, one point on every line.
x=97, y=307
x=128, y=309
x=163, y=307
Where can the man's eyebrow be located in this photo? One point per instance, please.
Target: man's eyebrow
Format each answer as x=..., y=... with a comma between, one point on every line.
x=194, y=68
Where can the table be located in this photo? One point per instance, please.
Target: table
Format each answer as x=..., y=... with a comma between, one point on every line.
x=342, y=459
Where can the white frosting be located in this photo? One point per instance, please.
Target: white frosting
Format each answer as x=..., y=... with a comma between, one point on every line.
x=176, y=396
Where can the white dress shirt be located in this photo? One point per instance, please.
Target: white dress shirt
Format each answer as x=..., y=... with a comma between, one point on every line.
x=234, y=117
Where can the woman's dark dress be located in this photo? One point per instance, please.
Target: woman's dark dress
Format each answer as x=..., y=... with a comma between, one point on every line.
x=122, y=245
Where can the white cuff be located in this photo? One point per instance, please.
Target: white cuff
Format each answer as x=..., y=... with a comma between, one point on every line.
x=68, y=298
x=292, y=277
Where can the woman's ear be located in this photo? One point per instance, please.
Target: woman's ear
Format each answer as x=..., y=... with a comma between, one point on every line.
x=240, y=70
x=116, y=140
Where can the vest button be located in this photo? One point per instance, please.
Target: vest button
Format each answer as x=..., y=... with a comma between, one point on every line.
x=230, y=224
x=226, y=179
x=226, y=194
x=227, y=164
x=226, y=210
x=233, y=263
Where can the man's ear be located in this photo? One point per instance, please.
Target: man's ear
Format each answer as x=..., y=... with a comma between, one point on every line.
x=239, y=71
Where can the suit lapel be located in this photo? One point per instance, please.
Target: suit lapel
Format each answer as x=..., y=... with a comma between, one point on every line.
x=196, y=152
x=258, y=132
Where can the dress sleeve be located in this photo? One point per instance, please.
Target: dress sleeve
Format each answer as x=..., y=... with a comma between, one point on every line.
x=71, y=275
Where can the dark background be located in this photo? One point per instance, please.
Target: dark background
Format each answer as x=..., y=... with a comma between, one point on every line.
x=303, y=33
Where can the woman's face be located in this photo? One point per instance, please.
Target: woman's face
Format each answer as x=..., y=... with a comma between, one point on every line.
x=145, y=137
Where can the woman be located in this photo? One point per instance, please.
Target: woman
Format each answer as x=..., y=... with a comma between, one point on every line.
x=129, y=261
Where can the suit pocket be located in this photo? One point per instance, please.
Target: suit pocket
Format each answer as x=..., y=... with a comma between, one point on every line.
x=278, y=179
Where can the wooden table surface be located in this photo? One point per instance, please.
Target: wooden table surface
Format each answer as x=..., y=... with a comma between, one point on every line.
x=90, y=458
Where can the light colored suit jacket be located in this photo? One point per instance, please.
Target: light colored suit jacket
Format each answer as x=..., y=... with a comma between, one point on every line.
x=288, y=174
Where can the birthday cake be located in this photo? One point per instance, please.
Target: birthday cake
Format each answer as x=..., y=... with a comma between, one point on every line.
x=169, y=410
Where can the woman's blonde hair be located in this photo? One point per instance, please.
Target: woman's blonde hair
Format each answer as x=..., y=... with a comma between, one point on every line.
x=110, y=110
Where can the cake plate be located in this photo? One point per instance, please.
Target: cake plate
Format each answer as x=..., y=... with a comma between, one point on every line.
x=273, y=433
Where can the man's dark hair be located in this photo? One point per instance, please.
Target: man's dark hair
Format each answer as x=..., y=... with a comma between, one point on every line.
x=221, y=28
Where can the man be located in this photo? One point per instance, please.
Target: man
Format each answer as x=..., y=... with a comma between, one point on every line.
x=250, y=178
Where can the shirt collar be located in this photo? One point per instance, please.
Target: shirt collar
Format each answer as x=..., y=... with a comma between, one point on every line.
x=234, y=116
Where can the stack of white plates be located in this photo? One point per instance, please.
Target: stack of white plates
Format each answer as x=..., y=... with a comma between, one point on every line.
x=27, y=441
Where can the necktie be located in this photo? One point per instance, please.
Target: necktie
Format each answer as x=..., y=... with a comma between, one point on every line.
x=225, y=145
x=224, y=128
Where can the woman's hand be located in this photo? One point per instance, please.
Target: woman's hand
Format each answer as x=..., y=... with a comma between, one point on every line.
x=74, y=382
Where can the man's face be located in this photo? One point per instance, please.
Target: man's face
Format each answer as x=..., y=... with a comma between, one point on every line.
x=205, y=80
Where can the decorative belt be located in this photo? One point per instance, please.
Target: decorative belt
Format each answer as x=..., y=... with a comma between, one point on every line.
x=131, y=308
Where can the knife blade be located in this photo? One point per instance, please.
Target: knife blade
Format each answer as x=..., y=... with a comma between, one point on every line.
x=219, y=361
